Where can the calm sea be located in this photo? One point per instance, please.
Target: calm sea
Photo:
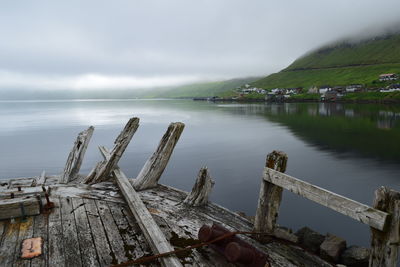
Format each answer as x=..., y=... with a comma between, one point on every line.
x=348, y=149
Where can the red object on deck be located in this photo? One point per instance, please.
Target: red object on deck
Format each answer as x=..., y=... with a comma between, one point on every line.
x=31, y=248
x=235, y=249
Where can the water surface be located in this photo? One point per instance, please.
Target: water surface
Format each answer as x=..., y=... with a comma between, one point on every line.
x=348, y=149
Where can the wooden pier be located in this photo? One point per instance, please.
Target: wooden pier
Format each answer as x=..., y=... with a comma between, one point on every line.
x=106, y=219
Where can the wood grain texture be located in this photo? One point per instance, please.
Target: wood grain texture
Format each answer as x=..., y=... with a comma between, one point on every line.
x=201, y=189
x=102, y=171
x=76, y=156
x=358, y=211
x=385, y=244
x=12, y=208
x=154, y=167
x=85, y=239
x=270, y=196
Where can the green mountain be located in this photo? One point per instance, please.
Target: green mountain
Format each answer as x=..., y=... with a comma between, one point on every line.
x=342, y=63
x=205, y=89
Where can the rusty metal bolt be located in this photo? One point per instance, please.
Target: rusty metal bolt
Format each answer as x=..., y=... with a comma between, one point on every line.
x=237, y=253
x=19, y=188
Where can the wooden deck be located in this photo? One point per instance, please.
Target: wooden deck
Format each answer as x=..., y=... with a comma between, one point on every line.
x=93, y=226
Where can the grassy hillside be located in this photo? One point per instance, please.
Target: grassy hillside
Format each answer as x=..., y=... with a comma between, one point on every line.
x=220, y=88
x=340, y=64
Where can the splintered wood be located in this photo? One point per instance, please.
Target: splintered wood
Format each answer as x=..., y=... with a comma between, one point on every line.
x=76, y=155
x=155, y=165
x=201, y=189
x=103, y=169
x=270, y=196
x=149, y=227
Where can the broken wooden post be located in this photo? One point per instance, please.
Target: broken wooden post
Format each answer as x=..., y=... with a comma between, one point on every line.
x=152, y=232
x=270, y=196
x=42, y=179
x=385, y=244
x=76, y=155
x=103, y=169
x=201, y=189
x=155, y=165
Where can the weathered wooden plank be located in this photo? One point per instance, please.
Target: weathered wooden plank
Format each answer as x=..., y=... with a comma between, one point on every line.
x=358, y=211
x=76, y=156
x=385, y=244
x=105, y=254
x=25, y=231
x=154, y=236
x=201, y=189
x=130, y=234
x=20, y=182
x=25, y=191
x=103, y=170
x=55, y=239
x=86, y=243
x=40, y=229
x=270, y=196
x=72, y=252
x=150, y=229
x=9, y=243
x=111, y=229
x=86, y=191
x=155, y=165
x=17, y=207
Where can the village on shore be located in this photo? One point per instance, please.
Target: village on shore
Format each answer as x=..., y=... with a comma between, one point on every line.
x=328, y=93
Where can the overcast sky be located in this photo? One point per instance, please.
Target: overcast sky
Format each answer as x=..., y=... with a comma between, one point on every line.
x=141, y=44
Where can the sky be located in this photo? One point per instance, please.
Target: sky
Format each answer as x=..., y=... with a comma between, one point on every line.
x=92, y=45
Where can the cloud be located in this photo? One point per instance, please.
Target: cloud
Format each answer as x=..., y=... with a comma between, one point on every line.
x=91, y=81
x=84, y=44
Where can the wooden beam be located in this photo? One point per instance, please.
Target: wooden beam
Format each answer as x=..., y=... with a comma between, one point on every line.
x=152, y=232
x=201, y=189
x=76, y=156
x=42, y=179
x=385, y=244
x=18, y=207
x=358, y=211
x=270, y=196
x=155, y=165
x=103, y=169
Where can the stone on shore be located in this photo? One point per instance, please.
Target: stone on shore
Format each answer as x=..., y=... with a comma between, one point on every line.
x=355, y=256
x=332, y=248
x=310, y=239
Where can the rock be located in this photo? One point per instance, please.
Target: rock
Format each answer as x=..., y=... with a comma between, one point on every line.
x=332, y=247
x=355, y=256
x=286, y=234
x=310, y=239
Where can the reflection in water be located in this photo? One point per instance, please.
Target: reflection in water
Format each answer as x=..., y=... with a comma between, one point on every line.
x=348, y=149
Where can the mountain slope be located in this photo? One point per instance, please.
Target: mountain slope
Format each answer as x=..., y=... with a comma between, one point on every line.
x=206, y=89
x=340, y=64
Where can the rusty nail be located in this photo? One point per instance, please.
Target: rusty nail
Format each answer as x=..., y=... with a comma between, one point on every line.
x=12, y=195
x=44, y=189
x=19, y=188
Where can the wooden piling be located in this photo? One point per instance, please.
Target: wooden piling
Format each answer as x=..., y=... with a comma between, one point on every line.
x=201, y=189
x=270, y=195
x=155, y=165
x=103, y=169
x=385, y=244
x=76, y=155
